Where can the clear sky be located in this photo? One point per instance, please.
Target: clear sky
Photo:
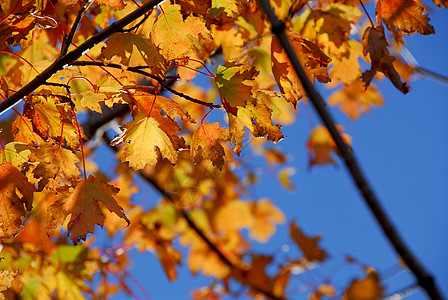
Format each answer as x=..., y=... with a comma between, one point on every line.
x=402, y=148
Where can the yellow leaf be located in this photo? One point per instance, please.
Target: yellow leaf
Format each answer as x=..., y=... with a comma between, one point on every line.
x=176, y=36
x=266, y=216
x=355, y=100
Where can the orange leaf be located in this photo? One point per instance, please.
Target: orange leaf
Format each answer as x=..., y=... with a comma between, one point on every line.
x=355, y=100
x=83, y=205
x=375, y=44
x=134, y=47
x=266, y=215
x=368, y=288
x=177, y=36
x=309, y=246
x=206, y=144
x=54, y=161
x=320, y=145
x=314, y=61
x=406, y=15
x=15, y=192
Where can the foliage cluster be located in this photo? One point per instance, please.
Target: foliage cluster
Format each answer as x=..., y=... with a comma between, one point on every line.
x=47, y=194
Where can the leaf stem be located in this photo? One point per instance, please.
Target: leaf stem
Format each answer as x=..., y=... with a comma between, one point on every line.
x=367, y=13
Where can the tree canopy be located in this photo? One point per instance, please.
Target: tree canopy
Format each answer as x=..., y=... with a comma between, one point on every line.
x=179, y=90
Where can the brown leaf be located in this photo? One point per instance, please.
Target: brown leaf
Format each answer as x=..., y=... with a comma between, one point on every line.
x=375, y=44
x=309, y=246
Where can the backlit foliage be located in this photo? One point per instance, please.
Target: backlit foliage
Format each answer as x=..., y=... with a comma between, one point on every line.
x=52, y=194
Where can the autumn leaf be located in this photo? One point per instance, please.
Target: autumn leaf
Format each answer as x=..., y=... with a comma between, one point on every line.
x=206, y=144
x=6, y=278
x=346, y=68
x=313, y=60
x=134, y=47
x=368, y=288
x=309, y=246
x=329, y=27
x=228, y=7
x=320, y=146
x=407, y=15
x=53, y=161
x=16, y=196
x=177, y=36
x=257, y=118
x=49, y=118
x=322, y=291
x=375, y=44
x=354, y=99
x=266, y=216
x=232, y=82
x=82, y=203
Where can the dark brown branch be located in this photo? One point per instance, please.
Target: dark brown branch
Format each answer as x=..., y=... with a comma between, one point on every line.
x=63, y=61
x=139, y=70
x=68, y=39
x=195, y=227
x=424, y=279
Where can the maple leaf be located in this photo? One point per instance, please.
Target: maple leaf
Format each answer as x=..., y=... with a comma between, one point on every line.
x=144, y=134
x=266, y=215
x=229, y=7
x=206, y=144
x=257, y=118
x=346, y=68
x=177, y=36
x=320, y=146
x=83, y=204
x=49, y=119
x=368, y=288
x=16, y=195
x=329, y=27
x=375, y=44
x=232, y=82
x=406, y=15
x=124, y=46
x=53, y=161
x=354, y=99
x=313, y=60
x=309, y=246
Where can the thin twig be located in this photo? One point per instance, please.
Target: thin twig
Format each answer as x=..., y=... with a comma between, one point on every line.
x=139, y=70
x=367, y=13
x=68, y=39
x=424, y=279
x=403, y=293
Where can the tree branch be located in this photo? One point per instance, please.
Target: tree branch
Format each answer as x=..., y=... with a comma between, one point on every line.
x=139, y=70
x=63, y=61
x=424, y=279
